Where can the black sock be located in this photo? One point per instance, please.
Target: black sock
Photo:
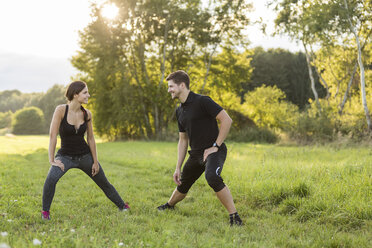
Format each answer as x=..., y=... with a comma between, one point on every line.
x=169, y=206
x=237, y=219
x=231, y=219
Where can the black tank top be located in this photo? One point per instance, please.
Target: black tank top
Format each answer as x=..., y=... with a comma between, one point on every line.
x=72, y=139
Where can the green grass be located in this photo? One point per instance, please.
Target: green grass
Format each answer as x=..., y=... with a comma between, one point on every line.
x=314, y=196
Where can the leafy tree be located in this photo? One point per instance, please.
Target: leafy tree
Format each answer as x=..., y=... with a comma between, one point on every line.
x=227, y=19
x=28, y=121
x=267, y=107
x=294, y=19
x=13, y=100
x=331, y=23
x=285, y=70
x=5, y=119
x=125, y=60
x=48, y=101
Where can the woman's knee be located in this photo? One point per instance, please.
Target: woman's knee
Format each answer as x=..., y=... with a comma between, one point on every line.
x=53, y=177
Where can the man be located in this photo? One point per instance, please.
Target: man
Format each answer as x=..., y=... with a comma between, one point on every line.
x=197, y=123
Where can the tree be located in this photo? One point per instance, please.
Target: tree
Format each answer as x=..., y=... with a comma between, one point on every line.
x=267, y=107
x=285, y=70
x=48, y=101
x=227, y=19
x=293, y=19
x=12, y=100
x=356, y=11
x=124, y=61
x=5, y=119
x=28, y=121
x=334, y=22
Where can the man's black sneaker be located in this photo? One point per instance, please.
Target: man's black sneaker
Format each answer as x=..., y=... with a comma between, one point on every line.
x=165, y=207
x=235, y=219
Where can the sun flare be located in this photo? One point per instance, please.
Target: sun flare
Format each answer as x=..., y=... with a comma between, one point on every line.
x=110, y=11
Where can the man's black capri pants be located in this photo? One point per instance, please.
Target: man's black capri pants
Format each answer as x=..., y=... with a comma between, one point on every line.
x=195, y=166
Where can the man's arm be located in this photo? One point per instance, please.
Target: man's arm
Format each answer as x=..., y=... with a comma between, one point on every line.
x=225, y=124
x=183, y=143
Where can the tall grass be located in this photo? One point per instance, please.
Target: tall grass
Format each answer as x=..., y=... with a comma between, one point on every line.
x=315, y=196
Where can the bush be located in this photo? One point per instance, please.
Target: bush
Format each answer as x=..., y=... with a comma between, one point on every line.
x=310, y=129
x=267, y=107
x=314, y=125
x=253, y=134
x=5, y=119
x=28, y=121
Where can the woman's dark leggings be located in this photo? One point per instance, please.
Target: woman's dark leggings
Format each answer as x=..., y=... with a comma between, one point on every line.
x=83, y=163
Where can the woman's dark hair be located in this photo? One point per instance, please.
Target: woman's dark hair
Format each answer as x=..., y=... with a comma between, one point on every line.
x=179, y=77
x=75, y=88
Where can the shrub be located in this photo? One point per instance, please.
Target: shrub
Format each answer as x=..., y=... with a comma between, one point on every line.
x=253, y=134
x=267, y=107
x=5, y=119
x=314, y=125
x=28, y=121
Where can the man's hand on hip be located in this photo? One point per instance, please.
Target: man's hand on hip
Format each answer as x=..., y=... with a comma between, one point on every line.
x=209, y=151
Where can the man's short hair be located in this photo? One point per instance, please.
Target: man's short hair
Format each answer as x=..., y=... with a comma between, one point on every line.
x=179, y=77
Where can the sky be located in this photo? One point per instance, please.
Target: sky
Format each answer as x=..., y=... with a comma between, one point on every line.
x=39, y=37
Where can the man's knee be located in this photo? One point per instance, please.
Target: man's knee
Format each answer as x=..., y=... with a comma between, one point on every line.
x=183, y=188
x=215, y=181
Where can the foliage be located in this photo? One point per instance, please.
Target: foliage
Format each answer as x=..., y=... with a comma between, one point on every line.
x=342, y=31
x=315, y=196
x=5, y=119
x=267, y=107
x=125, y=60
x=352, y=122
x=52, y=98
x=338, y=64
x=314, y=126
x=28, y=121
x=230, y=68
x=252, y=134
x=286, y=70
x=13, y=100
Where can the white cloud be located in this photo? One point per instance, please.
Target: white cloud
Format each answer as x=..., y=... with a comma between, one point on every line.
x=33, y=73
x=263, y=15
x=42, y=27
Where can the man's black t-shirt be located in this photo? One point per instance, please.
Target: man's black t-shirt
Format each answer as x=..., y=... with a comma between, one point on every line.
x=197, y=117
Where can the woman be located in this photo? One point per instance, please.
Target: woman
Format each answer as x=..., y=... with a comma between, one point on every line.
x=72, y=120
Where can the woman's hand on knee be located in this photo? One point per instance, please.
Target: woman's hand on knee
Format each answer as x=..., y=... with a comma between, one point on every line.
x=59, y=164
x=95, y=169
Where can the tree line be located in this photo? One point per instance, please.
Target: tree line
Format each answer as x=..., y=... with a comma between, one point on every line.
x=274, y=67
x=320, y=94
x=126, y=59
x=29, y=113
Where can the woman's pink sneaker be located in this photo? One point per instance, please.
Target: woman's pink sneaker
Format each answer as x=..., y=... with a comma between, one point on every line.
x=45, y=215
x=125, y=208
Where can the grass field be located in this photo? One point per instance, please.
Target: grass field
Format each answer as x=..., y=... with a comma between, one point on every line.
x=288, y=196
